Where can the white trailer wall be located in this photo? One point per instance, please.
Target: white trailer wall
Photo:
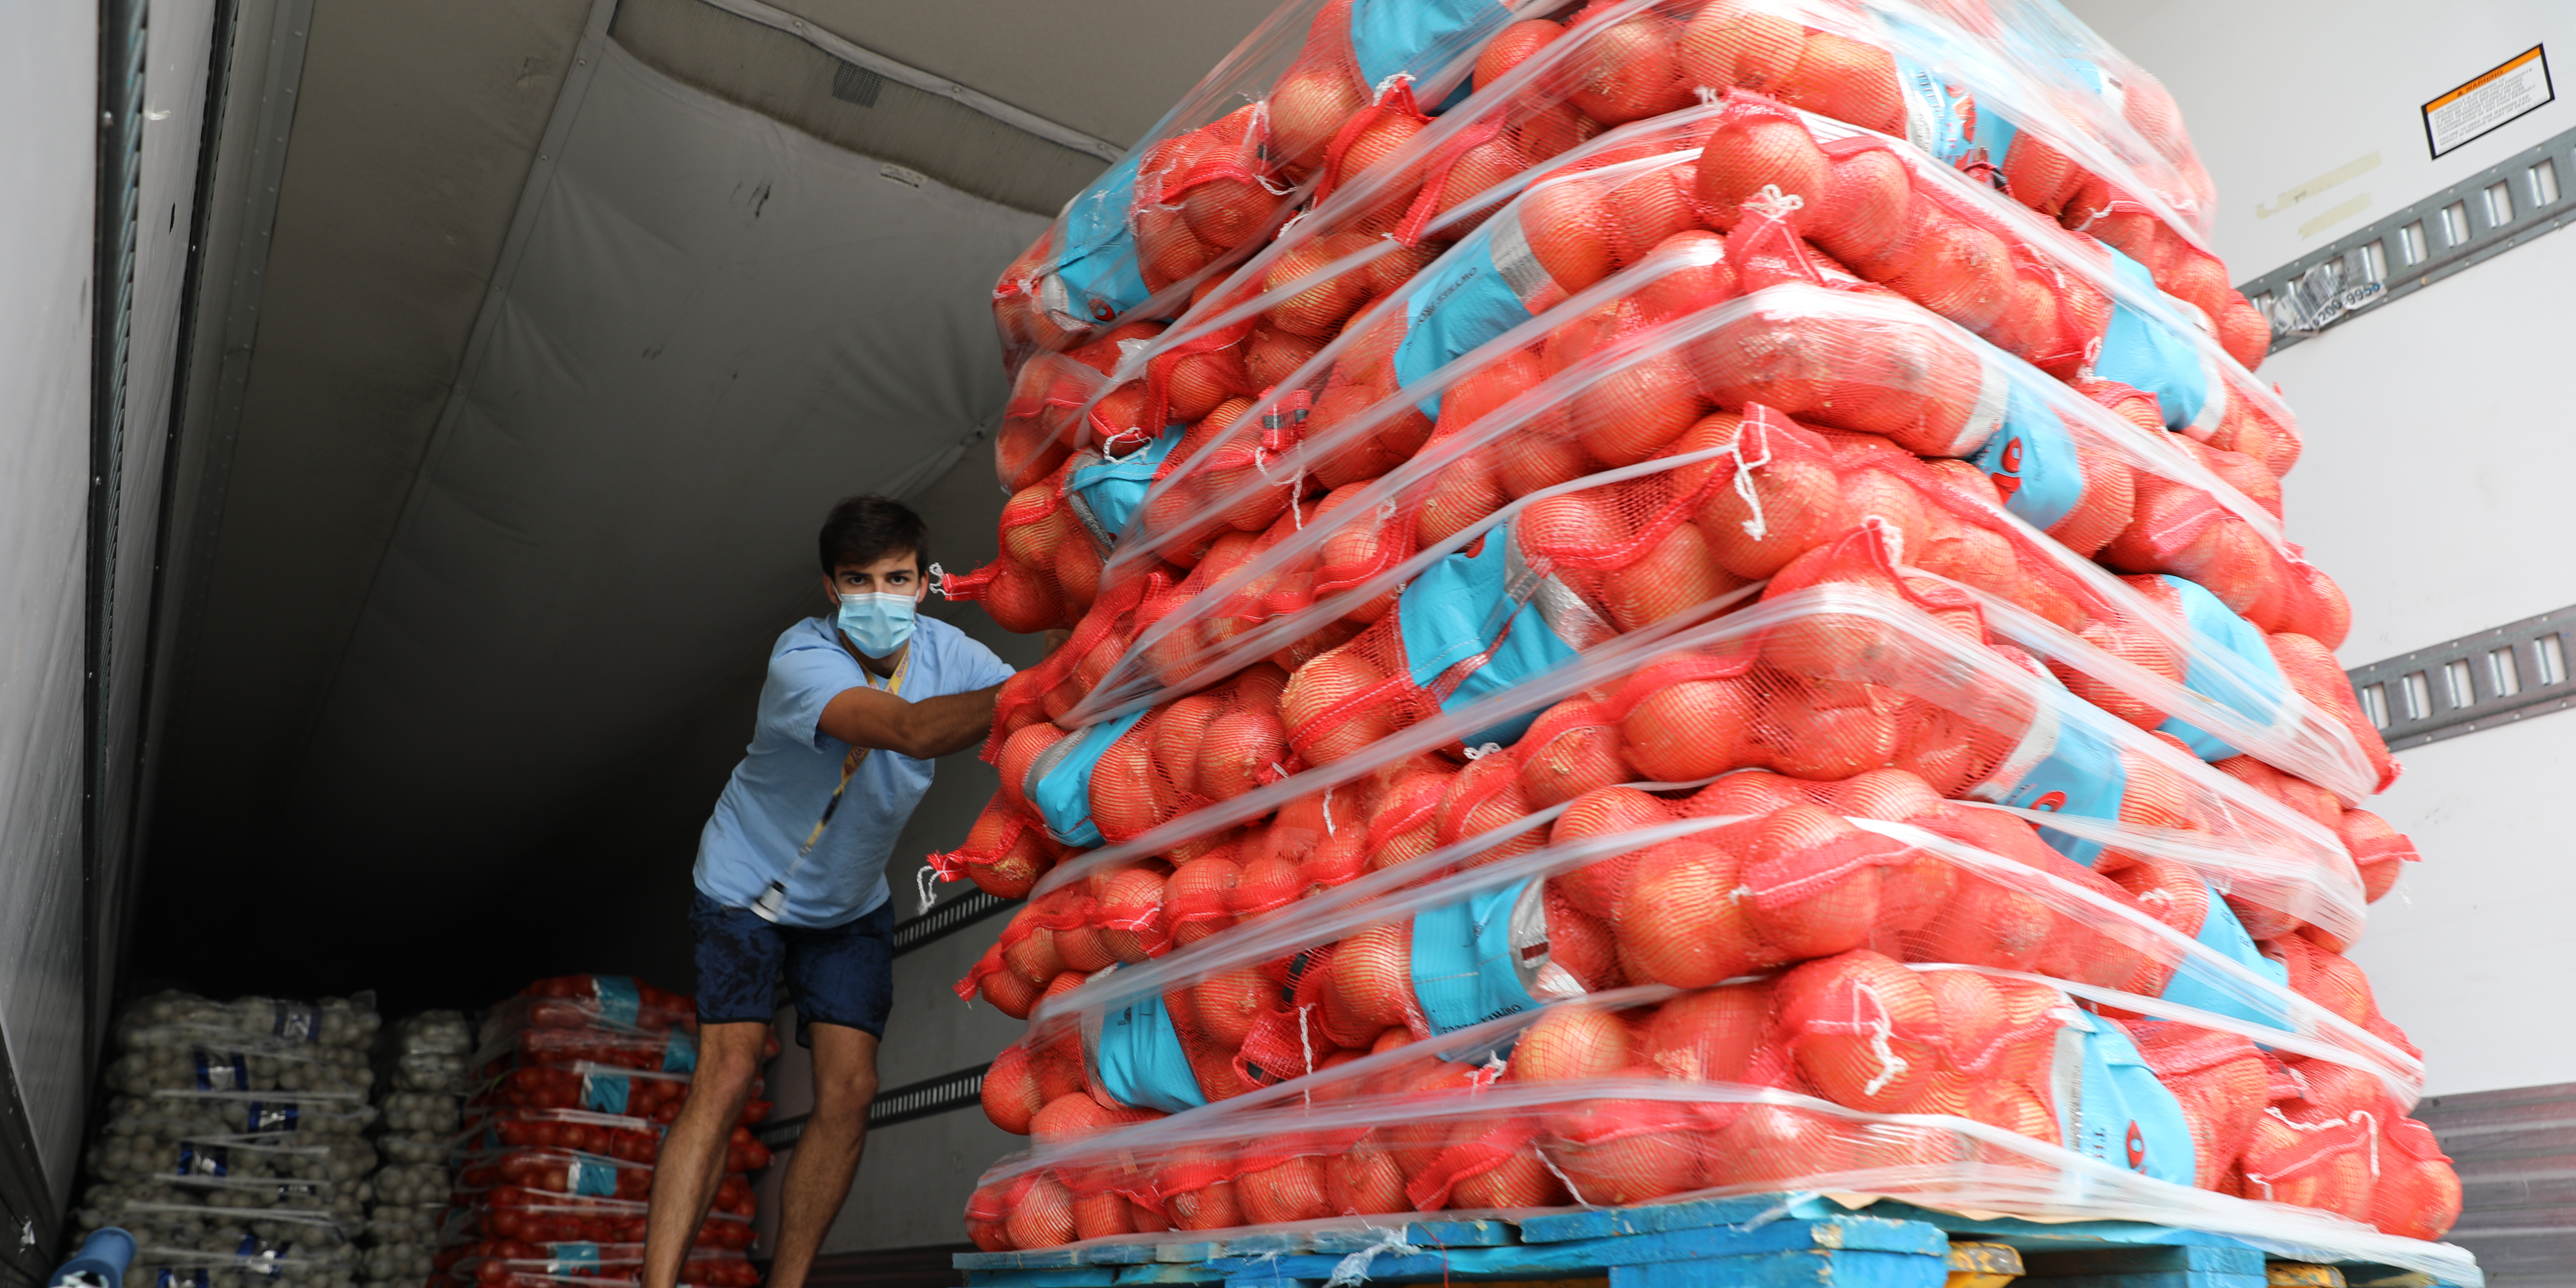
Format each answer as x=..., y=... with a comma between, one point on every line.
x=79, y=594
x=49, y=97
x=2441, y=452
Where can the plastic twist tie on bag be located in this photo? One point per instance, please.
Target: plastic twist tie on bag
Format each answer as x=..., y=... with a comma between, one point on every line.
x=1352, y=1270
x=1882, y=1029
x=1306, y=1041
x=1758, y=526
x=1133, y=438
x=1771, y=203
x=1562, y=1179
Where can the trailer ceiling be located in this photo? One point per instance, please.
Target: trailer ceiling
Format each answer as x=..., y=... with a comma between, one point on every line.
x=567, y=333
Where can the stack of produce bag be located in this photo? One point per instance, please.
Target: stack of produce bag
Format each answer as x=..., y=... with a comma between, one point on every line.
x=578, y=1076
x=1709, y=614
x=232, y=1147
x=423, y=1076
x=1400, y=183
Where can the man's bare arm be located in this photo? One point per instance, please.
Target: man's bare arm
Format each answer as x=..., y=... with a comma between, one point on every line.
x=924, y=730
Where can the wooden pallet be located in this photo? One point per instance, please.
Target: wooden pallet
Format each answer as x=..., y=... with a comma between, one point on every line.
x=1762, y=1241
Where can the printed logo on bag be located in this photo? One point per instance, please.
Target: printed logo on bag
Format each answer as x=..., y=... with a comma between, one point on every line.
x=208, y=1160
x=2050, y=803
x=297, y=1023
x=604, y=1092
x=264, y=1116
x=619, y=1000
x=2137, y=1147
x=596, y=1177
x=572, y=1257
x=220, y=1070
x=2008, y=479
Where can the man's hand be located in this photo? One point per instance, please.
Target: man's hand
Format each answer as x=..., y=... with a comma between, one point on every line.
x=924, y=730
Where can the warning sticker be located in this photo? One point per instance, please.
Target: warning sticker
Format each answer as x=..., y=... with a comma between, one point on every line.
x=2478, y=107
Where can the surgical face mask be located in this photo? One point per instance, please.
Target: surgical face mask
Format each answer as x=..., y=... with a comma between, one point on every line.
x=879, y=624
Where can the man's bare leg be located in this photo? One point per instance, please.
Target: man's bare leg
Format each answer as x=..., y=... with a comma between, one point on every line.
x=692, y=1160
x=826, y=1153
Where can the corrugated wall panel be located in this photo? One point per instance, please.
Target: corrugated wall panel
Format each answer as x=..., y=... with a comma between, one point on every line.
x=2516, y=1154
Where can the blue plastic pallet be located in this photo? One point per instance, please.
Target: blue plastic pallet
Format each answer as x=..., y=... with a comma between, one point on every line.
x=1761, y=1241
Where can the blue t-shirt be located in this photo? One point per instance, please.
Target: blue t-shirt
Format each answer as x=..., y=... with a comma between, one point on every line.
x=778, y=792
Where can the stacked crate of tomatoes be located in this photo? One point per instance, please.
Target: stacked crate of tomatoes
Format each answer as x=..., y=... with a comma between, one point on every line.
x=581, y=1075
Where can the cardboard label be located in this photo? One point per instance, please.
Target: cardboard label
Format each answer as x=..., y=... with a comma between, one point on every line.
x=2515, y=89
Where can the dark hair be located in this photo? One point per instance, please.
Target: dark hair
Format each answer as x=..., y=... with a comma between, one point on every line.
x=864, y=529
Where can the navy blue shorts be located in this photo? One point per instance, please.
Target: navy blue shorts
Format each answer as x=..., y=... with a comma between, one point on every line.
x=843, y=975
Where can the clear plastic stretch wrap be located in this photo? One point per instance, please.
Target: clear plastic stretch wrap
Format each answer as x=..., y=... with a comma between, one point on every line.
x=1712, y=617
x=1628, y=889
x=1644, y=540
x=1622, y=372
x=537, y=1216
x=578, y=1076
x=233, y=1144
x=1954, y=1086
x=1840, y=681
x=1304, y=102
x=619, y=1003
x=635, y=1140
x=425, y=1063
x=429, y=1052
x=507, y=1041
x=1619, y=372
x=511, y=1263
x=1544, y=85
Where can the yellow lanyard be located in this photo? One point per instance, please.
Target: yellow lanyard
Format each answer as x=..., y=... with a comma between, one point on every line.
x=775, y=898
x=850, y=763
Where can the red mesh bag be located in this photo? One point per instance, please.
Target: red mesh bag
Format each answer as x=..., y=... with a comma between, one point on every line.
x=2153, y=522
x=2220, y=1080
x=1788, y=713
x=1753, y=1085
x=1004, y=854
x=1794, y=883
x=1625, y=63
x=1217, y=174
x=1937, y=778
x=2379, y=850
x=2038, y=292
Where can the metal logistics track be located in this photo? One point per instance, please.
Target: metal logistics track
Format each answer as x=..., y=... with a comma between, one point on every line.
x=2494, y=677
x=2506, y=205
